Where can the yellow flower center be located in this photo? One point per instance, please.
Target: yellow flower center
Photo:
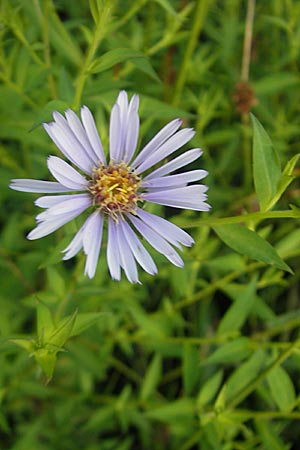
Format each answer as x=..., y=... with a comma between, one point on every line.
x=114, y=188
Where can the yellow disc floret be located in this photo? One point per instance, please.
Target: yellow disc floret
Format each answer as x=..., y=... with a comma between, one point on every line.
x=114, y=188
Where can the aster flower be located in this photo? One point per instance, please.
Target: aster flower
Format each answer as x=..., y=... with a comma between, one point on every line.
x=116, y=190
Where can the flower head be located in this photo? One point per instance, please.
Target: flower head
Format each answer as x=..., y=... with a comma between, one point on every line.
x=116, y=190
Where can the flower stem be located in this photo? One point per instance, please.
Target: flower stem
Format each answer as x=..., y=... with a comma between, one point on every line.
x=101, y=27
x=200, y=14
x=256, y=216
x=245, y=77
x=248, y=40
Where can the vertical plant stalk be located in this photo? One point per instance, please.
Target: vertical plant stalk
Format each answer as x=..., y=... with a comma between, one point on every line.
x=47, y=54
x=99, y=33
x=200, y=15
x=248, y=40
x=245, y=77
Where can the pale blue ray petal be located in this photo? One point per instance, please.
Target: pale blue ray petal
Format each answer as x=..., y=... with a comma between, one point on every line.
x=75, y=245
x=189, y=197
x=78, y=203
x=49, y=128
x=115, y=134
x=65, y=174
x=48, y=226
x=37, y=186
x=166, y=229
x=80, y=134
x=92, y=237
x=64, y=138
x=126, y=256
x=112, y=253
x=172, y=181
x=50, y=200
x=157, y=141
x=169, y=147
x=176, y=163
x=156, y=241
x=140, y=253
x=92, y=133
x=131, y=136
x=122, y=102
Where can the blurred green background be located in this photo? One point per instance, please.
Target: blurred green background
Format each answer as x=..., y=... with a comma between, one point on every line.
x=201, y=358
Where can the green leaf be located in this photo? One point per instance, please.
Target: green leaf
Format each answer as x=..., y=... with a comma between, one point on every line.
x=183, y=408
x=144, y=65
x=276, y=82
x=120, y=55
x=62, y=41
x=286, y=178
x=209, y=389
x=45, y=323
x=229, y=352
x=151, y=378
x=282, y=388
x=161, y=110
x=101, y=418
x=56, y=282
x=249, y=243
x=46, y=360
x=84, y=321
x=237, y=314
x=269, y=436
x=27, y=344
x=245, y=373
x=63, y=332
x=289, y=243
x=266, y=166
x=165, y=4
x=46, y=113
x=190, y=367
x=94, y=10
x=148, y=324
x=66, y=88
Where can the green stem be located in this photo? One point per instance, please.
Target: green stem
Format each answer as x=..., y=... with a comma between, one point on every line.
x=266, y=415
x=99, y=33
x=200, y=14
x=47, y=51
x=251, y=217
x=252, y=386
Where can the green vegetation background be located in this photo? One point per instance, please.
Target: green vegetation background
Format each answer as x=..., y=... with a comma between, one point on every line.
x=202, y=358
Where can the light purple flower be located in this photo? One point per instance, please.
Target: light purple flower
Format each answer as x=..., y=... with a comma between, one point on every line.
x=117, y=190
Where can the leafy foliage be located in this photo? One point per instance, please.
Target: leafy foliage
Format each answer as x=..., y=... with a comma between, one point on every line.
x=205, y=357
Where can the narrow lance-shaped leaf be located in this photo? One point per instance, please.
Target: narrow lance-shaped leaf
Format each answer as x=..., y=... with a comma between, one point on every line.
x=269, y=437
x=285, y=180
x=282, y=388
x=190, y=367
x=27, y=344
x=63, y=332
x=86, y=320
x=210, y=389
x=45, y=323
x=46, y=360
x=119, y=55
x=266, y=166
x=229, y=352
x=245, y=373
x=151, y=378
x=238, y=312
x=249, y=243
